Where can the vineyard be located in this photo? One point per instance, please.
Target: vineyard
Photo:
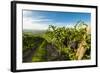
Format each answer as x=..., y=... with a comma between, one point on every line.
x=58, y=44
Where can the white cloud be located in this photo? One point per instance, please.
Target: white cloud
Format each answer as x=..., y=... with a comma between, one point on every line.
x=26, y=12
x=29, y=23
x=65, y=24
x=32, y=14
x=35, y=21
x=37, y=24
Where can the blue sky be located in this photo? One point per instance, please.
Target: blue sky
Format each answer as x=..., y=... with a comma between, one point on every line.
x=33, y=19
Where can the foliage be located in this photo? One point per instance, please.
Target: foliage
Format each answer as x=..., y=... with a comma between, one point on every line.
x=63, y=43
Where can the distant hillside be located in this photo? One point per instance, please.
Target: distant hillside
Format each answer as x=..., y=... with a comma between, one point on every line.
x=34, y=31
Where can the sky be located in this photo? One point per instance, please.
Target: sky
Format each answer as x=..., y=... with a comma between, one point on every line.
x=40, y=20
